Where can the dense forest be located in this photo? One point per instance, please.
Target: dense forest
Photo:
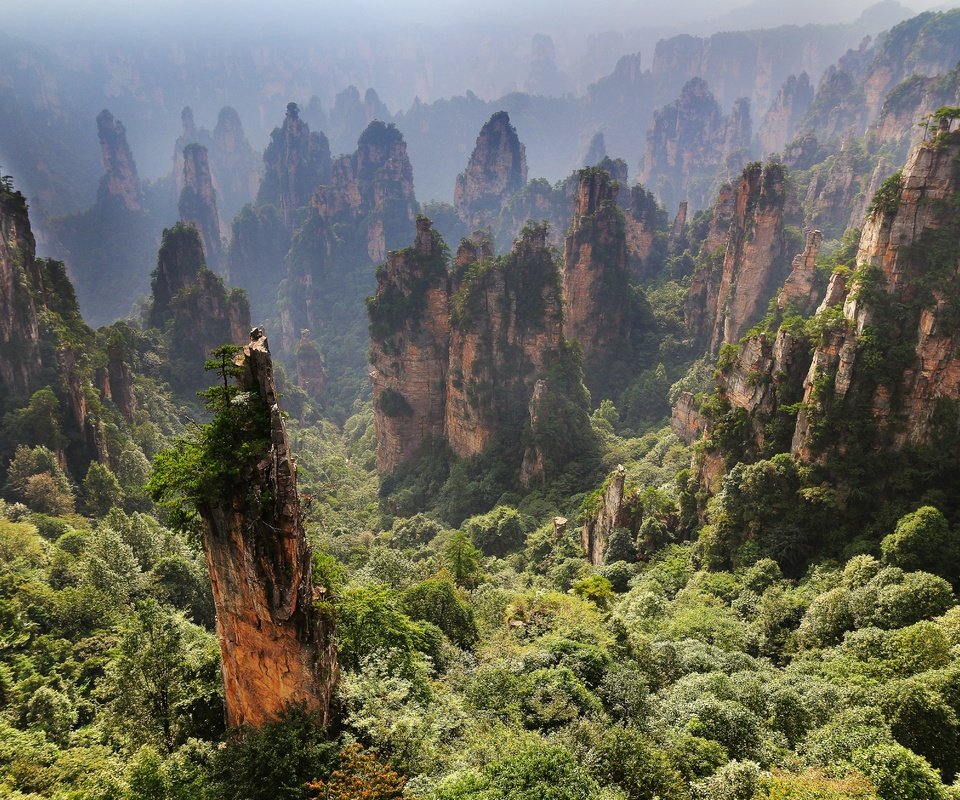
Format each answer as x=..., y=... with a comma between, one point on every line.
x=590, y=488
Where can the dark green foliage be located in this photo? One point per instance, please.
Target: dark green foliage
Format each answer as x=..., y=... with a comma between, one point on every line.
x=199, y=471
x=274, y=762
x=393, y=404
x=887, y=198
x=498, y=532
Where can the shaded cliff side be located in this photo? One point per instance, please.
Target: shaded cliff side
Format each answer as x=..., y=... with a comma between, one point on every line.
x=198, y=202
x=367, y=209
x=192, y=307
x=690, y=143
x=409, y=350
x=892, y=364
x=296, y=163
x=600, y=303
x=497, y=170
x=476, y=361
x=761, y=238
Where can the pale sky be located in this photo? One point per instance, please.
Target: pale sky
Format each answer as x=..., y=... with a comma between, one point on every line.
x=215, y=18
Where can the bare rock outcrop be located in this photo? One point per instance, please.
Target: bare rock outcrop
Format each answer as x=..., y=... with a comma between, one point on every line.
x=496, y=171
x=198, y=202
x=780, y=122
x=276, y=648
x=121, y=180
x=800, y=289
x=476, y=358
x=690, y=143
x=409, y=350
x=722, y=303
x=296, y=163
x=616, y=508
x=20, y=358
x=902, y=367
x=596, y=283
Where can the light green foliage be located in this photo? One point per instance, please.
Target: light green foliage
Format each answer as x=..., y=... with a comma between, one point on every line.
x=158, y=685
x=540, y=773
x=498, y=532
x=438, y=601
x=463, y=559
x=898, y=773
x=101, y=490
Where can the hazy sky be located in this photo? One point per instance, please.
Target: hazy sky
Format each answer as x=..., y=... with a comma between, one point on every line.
x=229, y=17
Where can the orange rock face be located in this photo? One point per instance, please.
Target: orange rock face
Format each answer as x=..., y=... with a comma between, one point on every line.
x=758, y=251
x=276, y=650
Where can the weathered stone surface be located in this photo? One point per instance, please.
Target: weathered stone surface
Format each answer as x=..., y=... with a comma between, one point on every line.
x=800, y=288
x=644, y=218
x=596, y=283
x=507, y=329
x=311, y=376
x=121, y=180
x=20, y=361
x=691, y=142
x=178, y=264
x=780, y=122
x=497, y=170
x=616, y=510
x=410, y=336
x=198, y=202
x=685, y=420
x=758, y=251
x=236, y=167
x=275, y=647
x=902, y=243
x=296, y=164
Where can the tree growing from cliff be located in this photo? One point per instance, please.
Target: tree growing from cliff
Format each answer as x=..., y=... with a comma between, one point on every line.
x=197, y=470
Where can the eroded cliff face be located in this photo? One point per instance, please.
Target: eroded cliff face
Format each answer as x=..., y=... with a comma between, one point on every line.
x=121, y=180
x=198, y=202
x=409, y=351
x=617, y=508
x=178, y=262
x=476, y=358
x=43, y=341
x=497, y=170
x=236, y=167
x=756, y=259
x=780, y=122
x=296, y=163
x=276, y=648
x=596, y=284
x=801, y=290
x=644, y=219
x=507, y=329
x=895, y=357
x=691, y=142
x=20, y=361
x=367, y=209
x=193, y=307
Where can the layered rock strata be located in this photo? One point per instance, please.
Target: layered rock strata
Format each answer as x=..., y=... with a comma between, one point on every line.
x=496, y=171
x=276, y=649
